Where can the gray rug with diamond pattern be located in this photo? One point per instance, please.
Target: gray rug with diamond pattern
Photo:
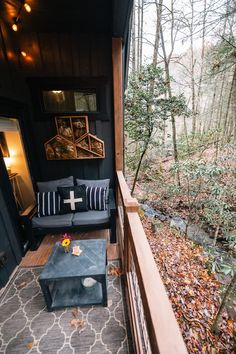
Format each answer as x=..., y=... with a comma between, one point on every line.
x=27, y=327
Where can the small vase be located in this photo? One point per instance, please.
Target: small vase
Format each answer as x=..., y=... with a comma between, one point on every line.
x=66, y=249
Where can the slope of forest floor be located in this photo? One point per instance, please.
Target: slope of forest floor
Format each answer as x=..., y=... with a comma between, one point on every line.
x=194, y=287
x=195, y=294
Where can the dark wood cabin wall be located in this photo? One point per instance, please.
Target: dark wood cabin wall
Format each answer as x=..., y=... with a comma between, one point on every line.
x=59, y=55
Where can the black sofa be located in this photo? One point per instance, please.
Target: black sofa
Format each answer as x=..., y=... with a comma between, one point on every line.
x=36, y=227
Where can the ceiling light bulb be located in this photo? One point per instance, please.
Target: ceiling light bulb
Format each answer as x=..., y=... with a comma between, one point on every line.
x=23, y=54
x=56, y=92
x=14, y=27
x=27, y=7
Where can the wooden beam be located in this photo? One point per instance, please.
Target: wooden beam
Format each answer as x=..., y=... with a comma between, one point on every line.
x=118, y=102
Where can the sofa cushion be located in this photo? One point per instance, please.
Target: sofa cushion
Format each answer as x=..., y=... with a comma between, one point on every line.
x=92, y=217
x=51, y=186
x=73, y=199
x=48, y=203
x=96, y=198
x=53, y=221
x=95, y=183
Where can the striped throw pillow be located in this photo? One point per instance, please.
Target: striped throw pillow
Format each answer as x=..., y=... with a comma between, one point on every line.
x=48, y=203
x=96, y=198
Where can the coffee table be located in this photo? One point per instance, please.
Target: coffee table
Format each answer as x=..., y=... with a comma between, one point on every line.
x=63, y=276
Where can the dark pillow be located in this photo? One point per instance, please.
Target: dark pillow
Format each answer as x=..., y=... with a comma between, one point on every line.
x=96, y=198
x=48, y=203
x=73, y=199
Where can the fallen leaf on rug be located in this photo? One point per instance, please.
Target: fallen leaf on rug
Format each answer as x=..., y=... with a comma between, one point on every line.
x=21, y=285
x=30, y=345
x=77, y=323
x=75, y=312
x=115, y=271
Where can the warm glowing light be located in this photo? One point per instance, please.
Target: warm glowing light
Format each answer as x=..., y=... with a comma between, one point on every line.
x=8, y=161
x=14, y=27
x=56, y=92
x=10, y=54
x=23, y=54
x=27, y=7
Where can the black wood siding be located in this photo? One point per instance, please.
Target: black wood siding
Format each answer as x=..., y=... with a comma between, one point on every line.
x=60, y=56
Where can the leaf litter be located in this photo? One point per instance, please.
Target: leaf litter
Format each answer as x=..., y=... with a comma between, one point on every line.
x=194, y=293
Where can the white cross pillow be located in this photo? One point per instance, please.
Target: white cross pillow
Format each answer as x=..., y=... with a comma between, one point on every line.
x=73, y=199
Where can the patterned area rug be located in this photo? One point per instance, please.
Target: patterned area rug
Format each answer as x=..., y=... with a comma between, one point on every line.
x=27, y=327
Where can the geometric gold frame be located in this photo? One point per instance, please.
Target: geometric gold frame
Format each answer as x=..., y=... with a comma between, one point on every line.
x=73, y=140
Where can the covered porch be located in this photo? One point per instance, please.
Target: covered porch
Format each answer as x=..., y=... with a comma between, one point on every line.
x=80, y=47
x=147, y=323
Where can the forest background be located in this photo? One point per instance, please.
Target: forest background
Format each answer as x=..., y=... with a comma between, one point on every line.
x=180, y=133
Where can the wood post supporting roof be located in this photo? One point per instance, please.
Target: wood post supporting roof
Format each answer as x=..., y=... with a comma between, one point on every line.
x=118, y=102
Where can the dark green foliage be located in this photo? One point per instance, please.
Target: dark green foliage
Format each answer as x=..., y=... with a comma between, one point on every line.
x=145, y=103
x=146, y=111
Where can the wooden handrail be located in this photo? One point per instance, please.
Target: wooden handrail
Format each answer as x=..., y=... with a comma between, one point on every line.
x=162, y=327
x=130, y=203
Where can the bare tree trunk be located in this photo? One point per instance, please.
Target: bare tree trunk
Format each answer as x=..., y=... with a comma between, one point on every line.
x=167, y=72
x=138, y=39
x=141, y=35
x=201, y=64
x=186, y=134
x=220, y=102
x=139, y=166
x=211, y=115
x=230, y=129
x=133, y=40
x=157, y=34
x=193, y=62
x=229, y=290
x=225, y=125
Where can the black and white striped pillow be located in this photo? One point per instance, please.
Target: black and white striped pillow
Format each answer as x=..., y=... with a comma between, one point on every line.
x=48, y=203
x=96, y=198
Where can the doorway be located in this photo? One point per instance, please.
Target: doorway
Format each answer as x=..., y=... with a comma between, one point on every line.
x=16, y=162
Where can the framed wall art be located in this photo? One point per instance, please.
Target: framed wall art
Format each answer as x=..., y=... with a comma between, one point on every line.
x=73, y=140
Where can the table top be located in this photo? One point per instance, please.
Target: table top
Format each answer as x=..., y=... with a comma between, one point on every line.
x=92, y=261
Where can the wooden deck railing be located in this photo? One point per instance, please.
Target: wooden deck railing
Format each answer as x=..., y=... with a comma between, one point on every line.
x=153, y=324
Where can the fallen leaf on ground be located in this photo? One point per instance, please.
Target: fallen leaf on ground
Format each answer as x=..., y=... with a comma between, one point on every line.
x=194, y=293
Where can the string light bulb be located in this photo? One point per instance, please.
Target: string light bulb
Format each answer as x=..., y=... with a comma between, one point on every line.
x=23, y=53
x=27, y=7
x=14, y=27
x=17, y=18
x=15, y=24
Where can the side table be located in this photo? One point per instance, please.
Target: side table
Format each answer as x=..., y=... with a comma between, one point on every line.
x=62, y=278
